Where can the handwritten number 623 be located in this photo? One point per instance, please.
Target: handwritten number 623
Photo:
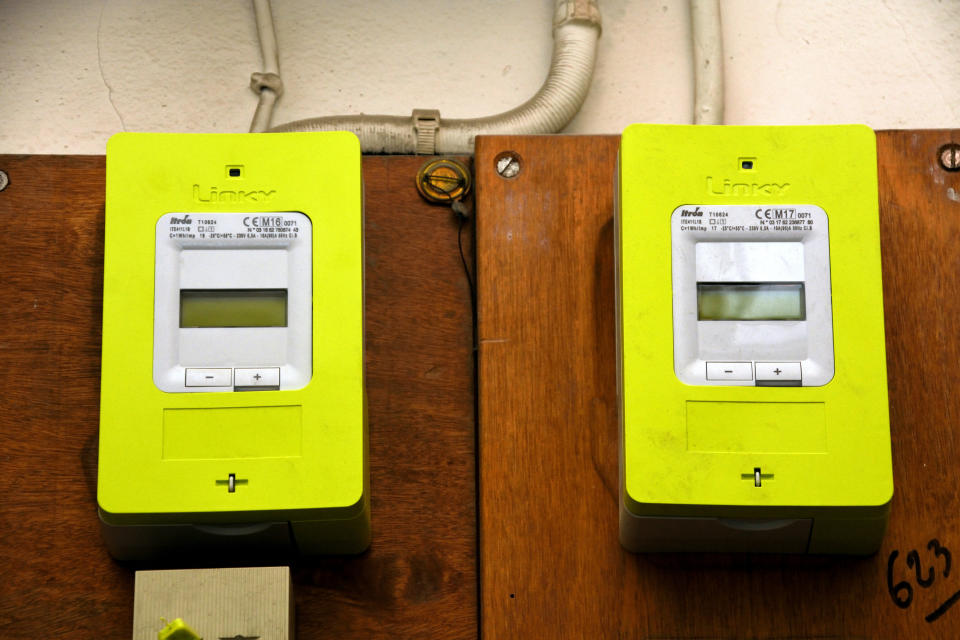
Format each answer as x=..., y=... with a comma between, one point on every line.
x=902, y=592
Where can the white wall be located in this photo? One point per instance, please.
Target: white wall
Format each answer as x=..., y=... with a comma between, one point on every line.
x=72, y=72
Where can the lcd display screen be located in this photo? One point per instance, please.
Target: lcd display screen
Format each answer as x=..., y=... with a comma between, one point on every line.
x=751, y=301
x=233, y=308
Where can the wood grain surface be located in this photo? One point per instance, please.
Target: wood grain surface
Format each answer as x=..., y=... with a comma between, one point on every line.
x=551, y=565
x=56, y=580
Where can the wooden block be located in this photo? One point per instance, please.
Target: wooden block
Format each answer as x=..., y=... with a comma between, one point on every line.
x=419, y=577
x=251, y=602
x=551, y=565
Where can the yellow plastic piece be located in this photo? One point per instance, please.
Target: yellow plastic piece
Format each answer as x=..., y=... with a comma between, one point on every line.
x=302, y=452
x=831, y=444
x=719, y=427
x=177, y=629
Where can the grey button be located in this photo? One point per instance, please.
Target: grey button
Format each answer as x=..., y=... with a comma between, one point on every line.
x=262, y=377
x=729, y=371
x=778, y=371
x=208, y=377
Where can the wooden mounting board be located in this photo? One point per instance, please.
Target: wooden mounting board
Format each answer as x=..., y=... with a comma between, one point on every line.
x=56, y=580
x=551, y=565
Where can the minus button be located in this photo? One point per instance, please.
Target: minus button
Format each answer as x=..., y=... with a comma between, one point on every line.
x=729, y=371
x=209, y=377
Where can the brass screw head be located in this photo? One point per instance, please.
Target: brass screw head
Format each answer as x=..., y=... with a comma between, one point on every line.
x=443, y=180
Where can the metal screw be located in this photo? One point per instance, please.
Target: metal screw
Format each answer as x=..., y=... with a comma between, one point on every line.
x=4, y=179
x=950, y=156
x=508, y=165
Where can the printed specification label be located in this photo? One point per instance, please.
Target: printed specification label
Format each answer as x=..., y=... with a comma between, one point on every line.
x=749, y=219
x=234, y=226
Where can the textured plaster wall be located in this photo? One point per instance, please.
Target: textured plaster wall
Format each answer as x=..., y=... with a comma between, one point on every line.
x=74, y=72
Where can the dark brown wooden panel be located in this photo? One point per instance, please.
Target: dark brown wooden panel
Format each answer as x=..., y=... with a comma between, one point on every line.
x=551, y=565
x=419, y=577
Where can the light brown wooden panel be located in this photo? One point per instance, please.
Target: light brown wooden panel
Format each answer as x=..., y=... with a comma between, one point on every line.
x=56, y=580
x=551, y=565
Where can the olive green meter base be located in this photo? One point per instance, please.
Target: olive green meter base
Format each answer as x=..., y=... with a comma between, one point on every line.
x=751, y=366
x=233, y=415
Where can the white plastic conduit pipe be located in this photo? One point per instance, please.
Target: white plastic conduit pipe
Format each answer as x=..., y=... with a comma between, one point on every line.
x=707, y=61
x=576, y=30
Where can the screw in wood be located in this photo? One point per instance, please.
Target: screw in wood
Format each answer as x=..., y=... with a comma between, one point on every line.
x=4, y=179
x=950, y=156
x=508, y=164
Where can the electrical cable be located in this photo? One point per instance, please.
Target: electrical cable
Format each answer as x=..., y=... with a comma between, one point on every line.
x=707, y=61
x=460, y=210
x=463, y=215
x=267, y=84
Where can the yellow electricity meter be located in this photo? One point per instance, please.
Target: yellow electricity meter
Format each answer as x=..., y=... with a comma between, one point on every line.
x=233, y=415
x=752, y=374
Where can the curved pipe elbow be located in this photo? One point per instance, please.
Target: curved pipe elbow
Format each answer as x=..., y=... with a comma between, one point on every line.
x=548, y=111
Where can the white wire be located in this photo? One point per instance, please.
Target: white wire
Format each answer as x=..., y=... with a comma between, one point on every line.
x=268, y=37
x=271, y=65
x=264, y=112
x=707, y=61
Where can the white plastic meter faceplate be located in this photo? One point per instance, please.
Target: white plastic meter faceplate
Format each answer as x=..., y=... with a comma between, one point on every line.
x=233, y=302
x=751, y=295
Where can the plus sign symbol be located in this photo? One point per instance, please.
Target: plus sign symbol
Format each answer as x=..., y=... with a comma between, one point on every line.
x=777, y=371
x=257, y=377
